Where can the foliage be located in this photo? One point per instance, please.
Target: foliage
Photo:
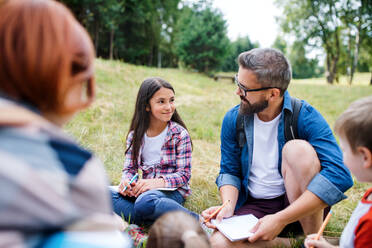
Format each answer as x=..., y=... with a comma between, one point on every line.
x=242, y=44
x=337, y=26
x=280, y=44
x=303, y=67
x=139, y=32
x=201, y=41
x=172, y=33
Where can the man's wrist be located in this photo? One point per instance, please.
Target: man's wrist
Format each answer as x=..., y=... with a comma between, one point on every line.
x=229, y=205
x=282, y=217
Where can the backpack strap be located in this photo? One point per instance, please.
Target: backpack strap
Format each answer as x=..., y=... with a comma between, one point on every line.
x=291, y=119
x=240, y=135
x=290, y=123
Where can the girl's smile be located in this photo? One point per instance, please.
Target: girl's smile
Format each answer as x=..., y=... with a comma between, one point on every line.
x=162, y=105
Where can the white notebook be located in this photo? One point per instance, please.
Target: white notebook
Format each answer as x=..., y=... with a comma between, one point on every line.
x=237, y=227
x=115, y=188
x=166, y=189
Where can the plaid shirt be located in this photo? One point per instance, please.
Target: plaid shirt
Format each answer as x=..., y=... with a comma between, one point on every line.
x=175, y=160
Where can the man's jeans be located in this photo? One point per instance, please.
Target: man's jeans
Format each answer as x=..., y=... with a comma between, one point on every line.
x=148, y=206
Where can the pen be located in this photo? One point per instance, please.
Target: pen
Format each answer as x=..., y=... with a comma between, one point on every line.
x=216, y=212
x=323, y=226
x=131, y=181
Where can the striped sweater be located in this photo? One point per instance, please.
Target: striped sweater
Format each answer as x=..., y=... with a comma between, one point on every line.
x=48, y=183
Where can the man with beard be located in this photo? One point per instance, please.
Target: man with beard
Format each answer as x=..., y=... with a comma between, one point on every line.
x=277, y=181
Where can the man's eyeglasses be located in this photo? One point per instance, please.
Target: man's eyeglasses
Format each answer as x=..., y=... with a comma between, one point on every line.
x=244, y=90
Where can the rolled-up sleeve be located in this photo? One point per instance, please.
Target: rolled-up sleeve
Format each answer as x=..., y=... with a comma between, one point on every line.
x=130, y=168
x=230, y=167
x=334, y=178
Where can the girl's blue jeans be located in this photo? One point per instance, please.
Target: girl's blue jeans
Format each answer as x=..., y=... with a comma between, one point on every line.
x=147, y=207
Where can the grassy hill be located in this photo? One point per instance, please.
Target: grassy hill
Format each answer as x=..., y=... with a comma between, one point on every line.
x=202, y=103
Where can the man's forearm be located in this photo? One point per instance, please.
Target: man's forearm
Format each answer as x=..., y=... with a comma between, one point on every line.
x=307, y=204
x=229, y=193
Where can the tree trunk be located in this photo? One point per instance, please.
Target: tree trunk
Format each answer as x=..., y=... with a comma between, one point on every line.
x=151, y=55
x=111, y=43
x=159, y=58
x=356, y=54
x=96, y=37
x=332, y=60
x=370, y=81
x=329, y=77
x=332, y=69
x=328, y=68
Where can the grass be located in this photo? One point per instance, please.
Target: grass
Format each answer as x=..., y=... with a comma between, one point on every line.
x=202, y=103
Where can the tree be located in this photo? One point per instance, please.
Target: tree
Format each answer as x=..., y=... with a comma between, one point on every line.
x=280, y=44
x=357, y=19
x=303, y=67
x=317, y=23
x=338, y=26
x=135, y=31
x=241, y=44
x=201, y=38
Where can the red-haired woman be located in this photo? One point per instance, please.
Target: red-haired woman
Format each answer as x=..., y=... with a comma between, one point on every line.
x=48, y=182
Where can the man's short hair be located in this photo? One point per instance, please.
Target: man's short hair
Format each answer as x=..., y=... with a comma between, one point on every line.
x=270, y=66
x=355, y=124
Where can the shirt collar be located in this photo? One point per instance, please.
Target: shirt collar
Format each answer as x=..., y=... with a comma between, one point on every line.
x=287, y=102
x=7, y=99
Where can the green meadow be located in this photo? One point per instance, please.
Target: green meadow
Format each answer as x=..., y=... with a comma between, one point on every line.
x=202, y=103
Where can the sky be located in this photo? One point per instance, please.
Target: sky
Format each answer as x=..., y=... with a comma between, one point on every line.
x=255, y=18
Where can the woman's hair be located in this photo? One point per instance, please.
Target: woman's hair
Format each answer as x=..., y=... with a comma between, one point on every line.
x=177, y=230
x=141, y=118
x=44, y=52
x=355, y=124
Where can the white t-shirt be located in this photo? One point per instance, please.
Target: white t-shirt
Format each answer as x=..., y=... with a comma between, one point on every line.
x=151, y=149
x=264, y=181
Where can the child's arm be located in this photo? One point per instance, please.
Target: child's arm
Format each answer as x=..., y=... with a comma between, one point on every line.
x=183, y=162
x=321, y=243
x=130, y=167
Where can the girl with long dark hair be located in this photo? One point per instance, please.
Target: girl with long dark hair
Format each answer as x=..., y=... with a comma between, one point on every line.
x=159, y=145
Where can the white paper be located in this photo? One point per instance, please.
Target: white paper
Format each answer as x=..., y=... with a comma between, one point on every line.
x=237, y=227
x=115, y=188
x=167, y=189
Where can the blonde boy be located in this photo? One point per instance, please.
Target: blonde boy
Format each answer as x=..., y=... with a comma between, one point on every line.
x=354, y=128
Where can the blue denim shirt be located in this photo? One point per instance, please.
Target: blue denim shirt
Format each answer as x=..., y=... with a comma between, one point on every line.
x=329, y=184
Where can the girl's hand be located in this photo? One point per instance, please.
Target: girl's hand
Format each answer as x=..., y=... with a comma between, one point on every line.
x=129, y=187
x=144, y=185
x=321, y=243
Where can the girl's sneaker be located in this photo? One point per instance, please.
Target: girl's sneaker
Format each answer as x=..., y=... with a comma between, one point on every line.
x=137, y=234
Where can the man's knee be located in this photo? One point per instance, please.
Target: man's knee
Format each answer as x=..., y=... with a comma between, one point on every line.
x=218, y=240
x=299, y=155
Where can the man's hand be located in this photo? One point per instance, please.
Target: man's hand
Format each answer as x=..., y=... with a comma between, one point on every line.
x=144, y=185
x=267, y=228
x=225, y=212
